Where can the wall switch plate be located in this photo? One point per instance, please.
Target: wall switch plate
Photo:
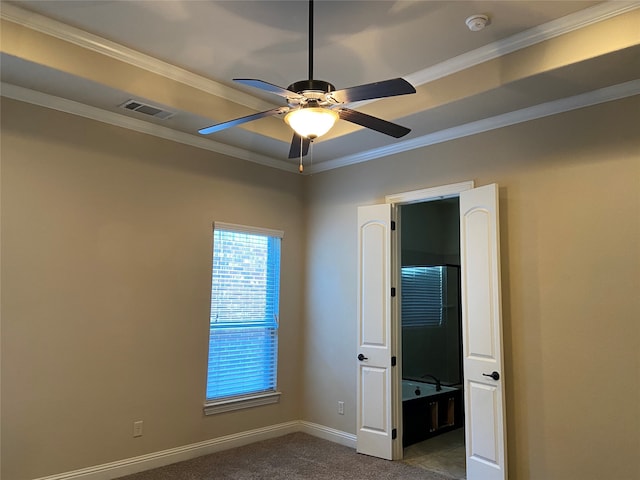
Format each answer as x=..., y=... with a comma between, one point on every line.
x=340, y=408
x=137, y=428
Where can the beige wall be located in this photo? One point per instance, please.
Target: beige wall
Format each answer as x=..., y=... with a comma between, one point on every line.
x=106, y=252
x=570, y=240
x=105, y=284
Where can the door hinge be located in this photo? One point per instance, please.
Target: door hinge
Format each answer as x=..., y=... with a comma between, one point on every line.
x=394, y=434
x=393, y=291
x=393, y=225
x=393, y=361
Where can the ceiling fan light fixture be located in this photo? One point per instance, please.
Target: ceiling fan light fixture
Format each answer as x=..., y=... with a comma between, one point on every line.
x=311, y=122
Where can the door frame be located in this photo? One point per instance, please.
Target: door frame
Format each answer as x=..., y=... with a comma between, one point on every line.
x=397, y=199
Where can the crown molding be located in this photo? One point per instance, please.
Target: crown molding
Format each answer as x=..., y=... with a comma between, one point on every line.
x=119, y=52
x=75, y=108
x=541, y=33
x=530, y=37
x=546, y=109
x=519, y=41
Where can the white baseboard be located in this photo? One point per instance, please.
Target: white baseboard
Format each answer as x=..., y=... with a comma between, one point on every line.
x=331, y=434
x=109, y=471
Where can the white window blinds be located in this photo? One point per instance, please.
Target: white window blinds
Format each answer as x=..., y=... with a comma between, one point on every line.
x=422, y=296
x=243, y=341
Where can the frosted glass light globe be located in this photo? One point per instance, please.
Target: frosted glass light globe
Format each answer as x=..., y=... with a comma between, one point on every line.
x=311, y=122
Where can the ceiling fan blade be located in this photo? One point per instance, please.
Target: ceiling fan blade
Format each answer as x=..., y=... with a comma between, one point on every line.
x=373, y=123
x=239, y=121
x=268, y=87
x=386, y=88
x=299, y=144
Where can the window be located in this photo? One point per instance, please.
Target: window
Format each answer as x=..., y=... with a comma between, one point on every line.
x=422, y=296
x=243, y=326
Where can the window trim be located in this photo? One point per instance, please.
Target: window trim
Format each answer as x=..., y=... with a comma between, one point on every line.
x=246, y=229
x=239, y=403
x=212, y=407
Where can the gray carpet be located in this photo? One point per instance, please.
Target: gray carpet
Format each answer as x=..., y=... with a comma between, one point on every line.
x=297, y=456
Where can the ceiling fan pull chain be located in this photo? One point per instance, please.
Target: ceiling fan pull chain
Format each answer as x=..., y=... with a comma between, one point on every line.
x=301, y=167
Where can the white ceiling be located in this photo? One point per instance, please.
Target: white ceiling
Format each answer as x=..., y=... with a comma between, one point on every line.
x=88, y=57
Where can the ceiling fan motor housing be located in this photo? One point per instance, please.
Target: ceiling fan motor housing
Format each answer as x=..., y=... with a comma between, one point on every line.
x=304, y=86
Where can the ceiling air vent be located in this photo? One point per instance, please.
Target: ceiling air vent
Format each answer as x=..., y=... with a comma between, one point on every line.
x=147, y=109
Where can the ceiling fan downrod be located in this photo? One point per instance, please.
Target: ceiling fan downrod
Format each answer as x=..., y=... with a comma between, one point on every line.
x=310, y=40
x=311, y=85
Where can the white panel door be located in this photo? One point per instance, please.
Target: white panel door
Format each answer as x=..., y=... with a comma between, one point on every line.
x=374, y=390
x=482, y=334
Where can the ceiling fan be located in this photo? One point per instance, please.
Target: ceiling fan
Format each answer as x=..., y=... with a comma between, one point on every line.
x=313, y=106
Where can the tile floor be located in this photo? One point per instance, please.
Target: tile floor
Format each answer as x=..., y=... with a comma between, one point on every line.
x=444, y=454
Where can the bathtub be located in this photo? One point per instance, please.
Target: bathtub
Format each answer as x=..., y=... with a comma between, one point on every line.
x=427, y=412
x=412, y=389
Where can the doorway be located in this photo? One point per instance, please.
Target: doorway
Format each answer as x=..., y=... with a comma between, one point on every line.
x=379, y=373
x=431, y=336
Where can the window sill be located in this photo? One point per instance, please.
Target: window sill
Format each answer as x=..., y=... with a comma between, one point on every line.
x=211, y=408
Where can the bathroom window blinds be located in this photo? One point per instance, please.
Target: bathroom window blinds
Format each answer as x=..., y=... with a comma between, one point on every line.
x=245, y=286
x=422, y=296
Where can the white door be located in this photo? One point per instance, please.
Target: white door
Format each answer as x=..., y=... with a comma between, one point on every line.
x=482, y=334
x=374, y=391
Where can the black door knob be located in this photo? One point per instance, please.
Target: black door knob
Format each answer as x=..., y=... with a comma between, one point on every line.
x=361, y=357
x=494, y=375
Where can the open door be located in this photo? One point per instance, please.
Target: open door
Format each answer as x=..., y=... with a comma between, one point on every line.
x=485, y=428
x=374, y=392
x=485, y=432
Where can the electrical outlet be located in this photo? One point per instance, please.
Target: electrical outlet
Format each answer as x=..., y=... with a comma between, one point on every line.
x=137, y=428
x=340, y=408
